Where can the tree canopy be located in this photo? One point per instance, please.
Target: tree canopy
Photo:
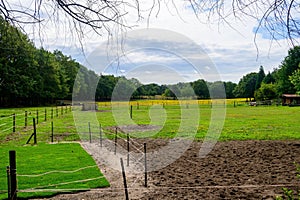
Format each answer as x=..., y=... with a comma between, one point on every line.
x=34, y=76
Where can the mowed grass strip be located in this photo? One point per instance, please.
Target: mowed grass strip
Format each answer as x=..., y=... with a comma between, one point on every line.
x=262, y=123
x=51, y=166
x=242, y=122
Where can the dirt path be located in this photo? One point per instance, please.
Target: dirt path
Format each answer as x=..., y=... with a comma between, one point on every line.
x=233, y=170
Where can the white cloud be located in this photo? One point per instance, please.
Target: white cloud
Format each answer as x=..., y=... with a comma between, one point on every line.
x=231, y=48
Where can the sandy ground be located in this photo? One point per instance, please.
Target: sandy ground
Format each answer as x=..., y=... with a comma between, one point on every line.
x=232, y=170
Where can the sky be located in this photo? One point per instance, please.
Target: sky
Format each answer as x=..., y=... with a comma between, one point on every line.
x=173, y=45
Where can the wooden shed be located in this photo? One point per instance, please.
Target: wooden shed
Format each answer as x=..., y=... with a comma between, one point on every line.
x=290, y=99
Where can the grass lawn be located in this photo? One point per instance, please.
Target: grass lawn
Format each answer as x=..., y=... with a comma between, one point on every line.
x=242, y=122
x=51, y=166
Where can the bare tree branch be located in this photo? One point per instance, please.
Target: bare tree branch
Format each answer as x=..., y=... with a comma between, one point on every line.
x=280, y=18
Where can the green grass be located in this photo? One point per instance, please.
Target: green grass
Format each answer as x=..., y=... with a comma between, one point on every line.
x=262, y=123
x=43, y=158
x=242, y=122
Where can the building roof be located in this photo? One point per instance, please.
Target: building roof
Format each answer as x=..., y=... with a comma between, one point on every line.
x=291, y=95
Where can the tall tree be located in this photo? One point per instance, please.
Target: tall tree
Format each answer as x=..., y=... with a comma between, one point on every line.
x=269, y=78
x=201, y=89
x=260, y=76
x=69, y=69
x=229, y=88
x=286, y=69
x=18, y=66
x=246, y=86
x=295, y=80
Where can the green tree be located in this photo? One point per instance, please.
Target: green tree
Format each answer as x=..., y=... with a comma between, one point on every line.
x=49, y=70
x=18, y=66
x=260, y=76
x=217, y=90
x=295, y=80
x=105, y=87
x=229, y=88
x=169, y=93
x=286, y=69
x=246, y=86
x=123, y=90
x=69, y=69
x=200, y=89
x=151, y=89
x=266, y=92
x=269, y=78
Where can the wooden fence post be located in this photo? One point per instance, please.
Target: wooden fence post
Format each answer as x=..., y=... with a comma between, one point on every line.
x=145, y=154
x=26, y=118
x=8, y=182
x=37, y=116
x=13, y=175
x=100, y=136
x=128, y=149
x=45, y=115
x=14, y=122
x=131, y=112
x=52, y=136
x=90, y=133
x=124, y=179
x=116, y=137
x=34, y=132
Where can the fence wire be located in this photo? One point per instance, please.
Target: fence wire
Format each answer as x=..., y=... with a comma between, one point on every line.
x=59, y=184
x=56, y=171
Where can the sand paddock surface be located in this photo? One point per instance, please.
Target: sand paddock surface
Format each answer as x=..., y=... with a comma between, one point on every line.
x=232, y=170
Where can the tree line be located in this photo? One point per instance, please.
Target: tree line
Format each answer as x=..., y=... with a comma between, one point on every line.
x=284, y=79
x=32, y=76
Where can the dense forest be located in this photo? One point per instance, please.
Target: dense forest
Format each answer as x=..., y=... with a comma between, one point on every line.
x=34, y=76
